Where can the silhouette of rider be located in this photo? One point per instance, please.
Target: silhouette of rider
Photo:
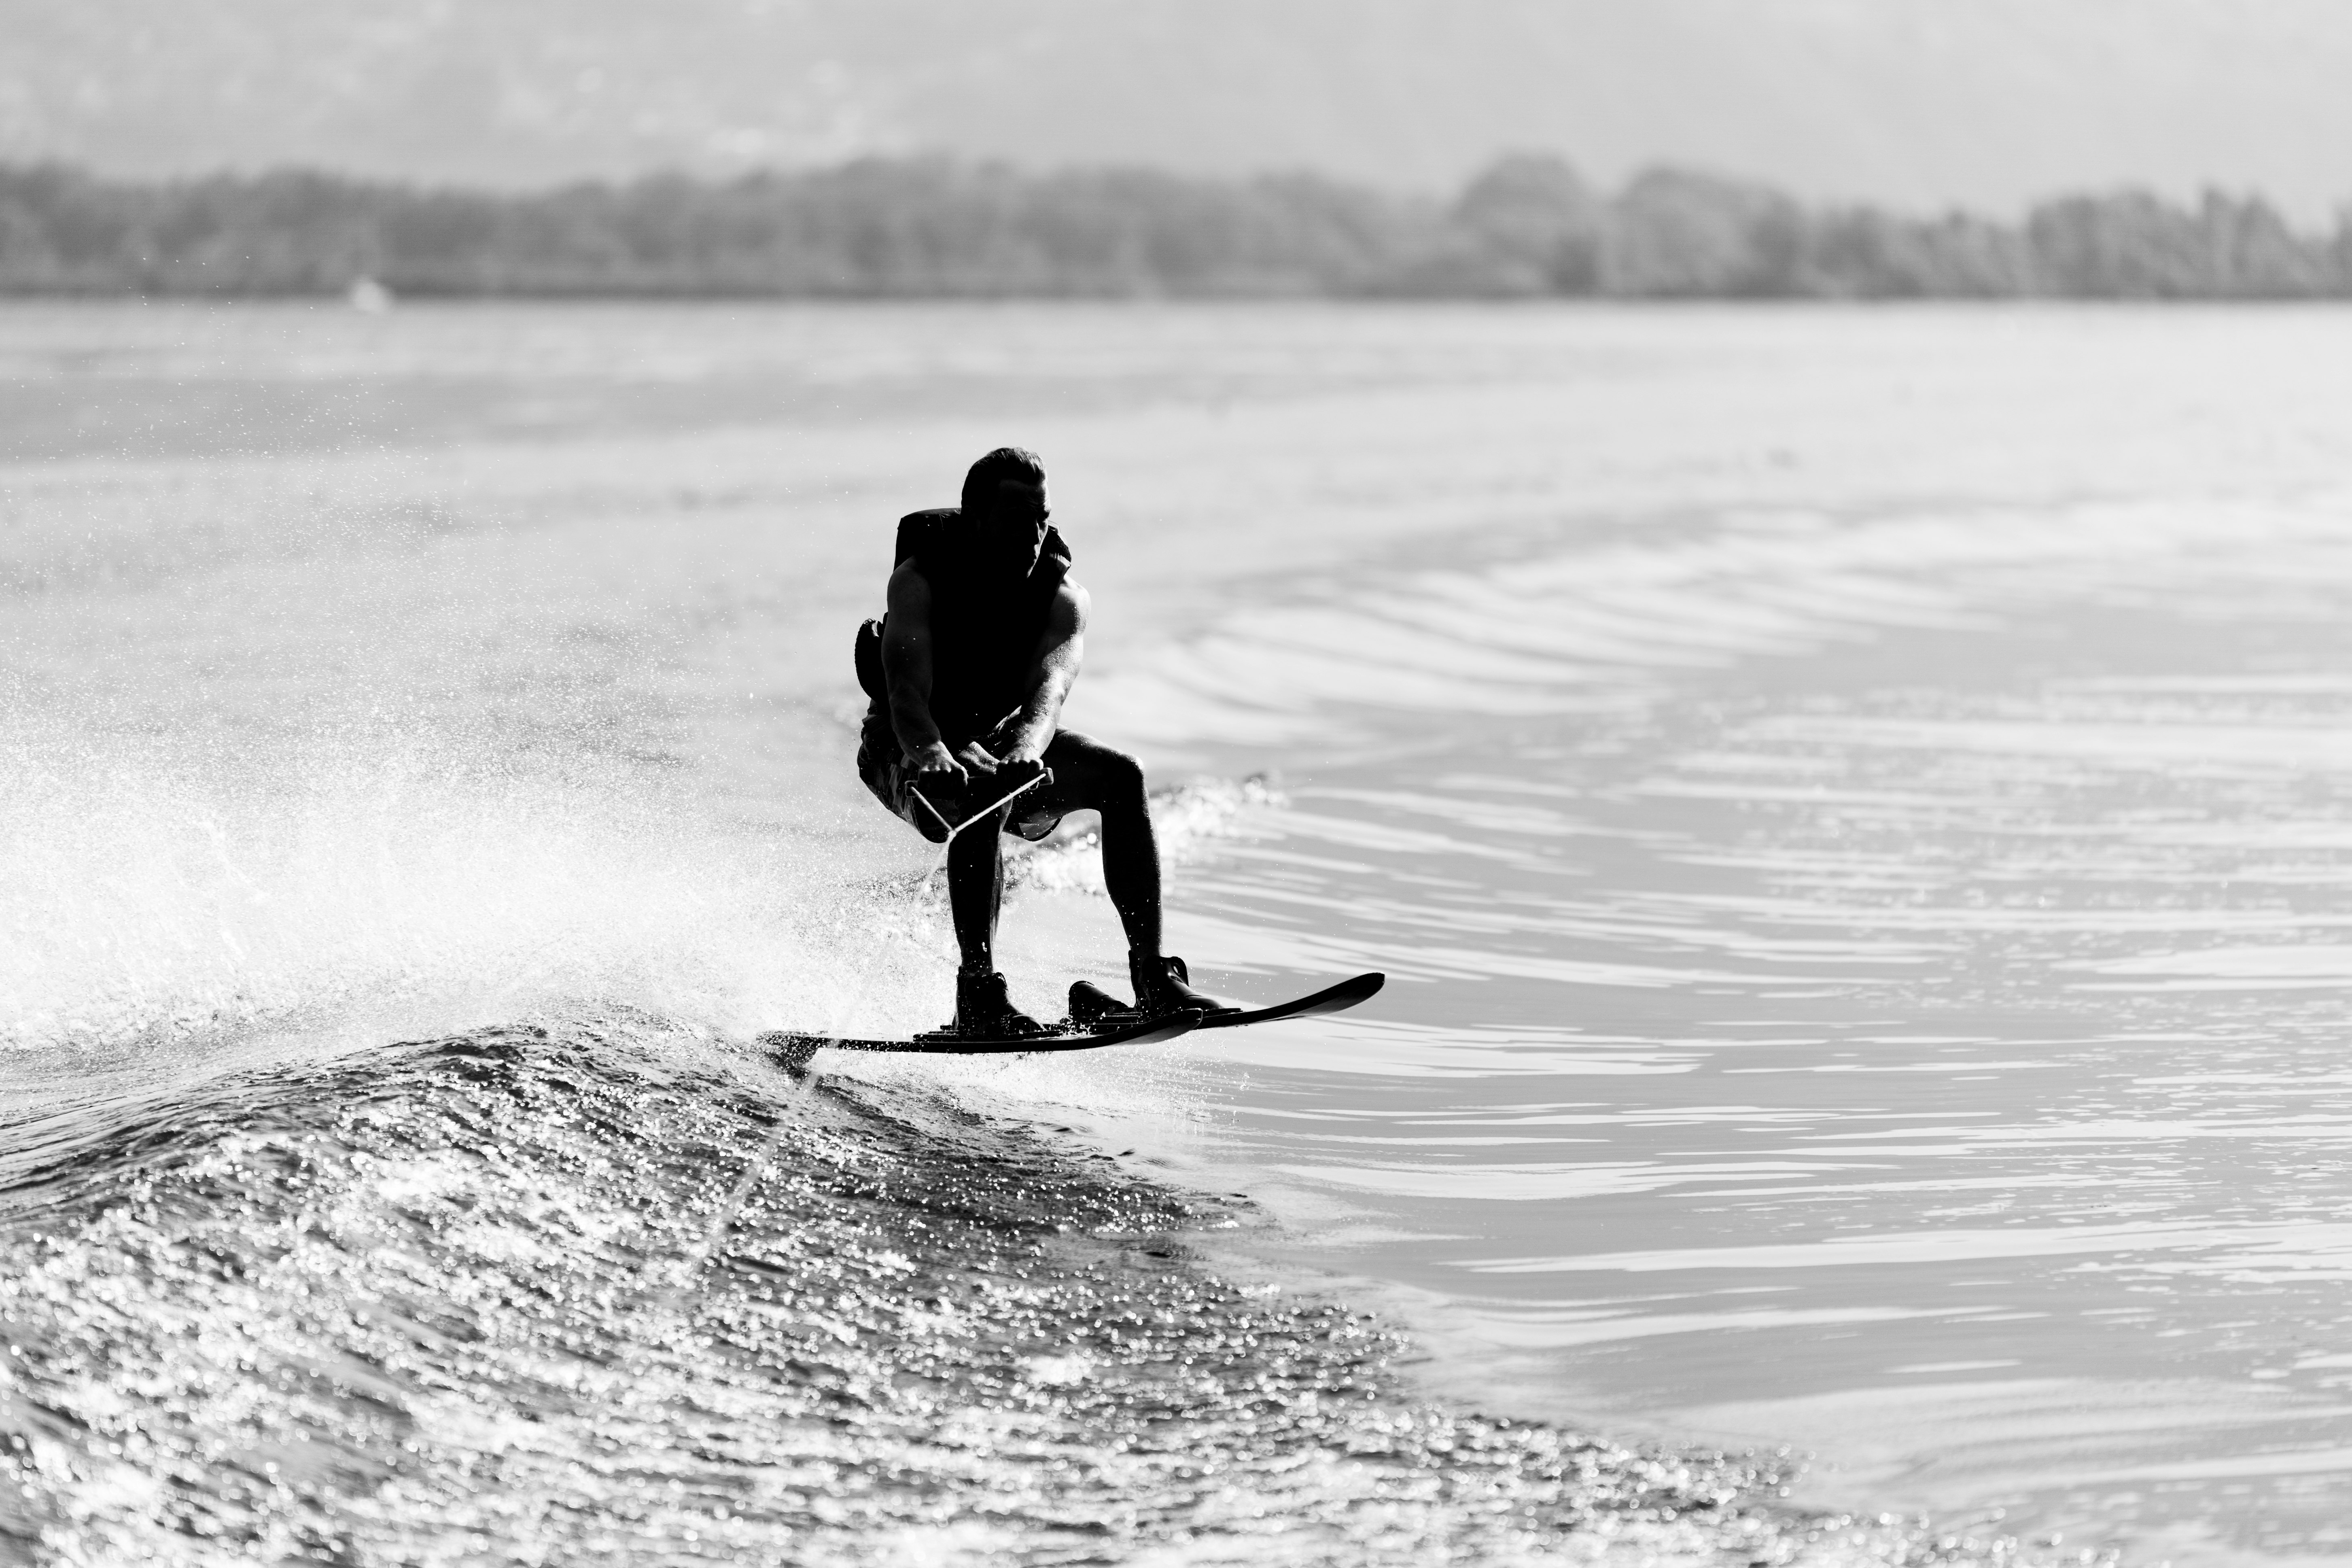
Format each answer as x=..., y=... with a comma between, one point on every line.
x=983, y=638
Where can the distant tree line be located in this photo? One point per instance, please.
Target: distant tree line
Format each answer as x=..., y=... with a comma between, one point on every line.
x=1529, y=226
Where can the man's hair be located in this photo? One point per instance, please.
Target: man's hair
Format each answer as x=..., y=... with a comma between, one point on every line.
x=1005, y=463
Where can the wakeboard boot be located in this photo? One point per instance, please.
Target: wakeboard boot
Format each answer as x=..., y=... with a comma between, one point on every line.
x=1163, y=985
x=984, y=1009
x=1092, y=1008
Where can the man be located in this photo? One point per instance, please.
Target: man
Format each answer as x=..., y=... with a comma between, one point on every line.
x=982, y=641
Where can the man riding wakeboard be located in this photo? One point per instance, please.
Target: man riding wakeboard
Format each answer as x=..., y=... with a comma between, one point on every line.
x=968, y=674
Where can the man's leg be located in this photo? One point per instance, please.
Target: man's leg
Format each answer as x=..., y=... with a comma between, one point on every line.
x=976, y=895
x=1090, y=776
x=1089, y=773
x=976, y=891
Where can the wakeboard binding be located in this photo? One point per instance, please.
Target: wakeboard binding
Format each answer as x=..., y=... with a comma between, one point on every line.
x=1163, y=987
x=984, y=1010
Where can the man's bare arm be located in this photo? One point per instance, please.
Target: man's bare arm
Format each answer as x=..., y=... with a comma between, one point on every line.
x=1052, y=672
x=907, y=668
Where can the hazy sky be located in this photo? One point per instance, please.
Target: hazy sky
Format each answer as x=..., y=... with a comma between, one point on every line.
x=1920, y=103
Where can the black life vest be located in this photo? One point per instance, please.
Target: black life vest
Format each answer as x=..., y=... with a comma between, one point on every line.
x=986, y=627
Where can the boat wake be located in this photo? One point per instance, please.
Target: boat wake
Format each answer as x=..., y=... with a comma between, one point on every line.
x=603, y=1292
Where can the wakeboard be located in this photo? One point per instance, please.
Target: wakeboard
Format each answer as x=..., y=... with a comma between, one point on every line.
x=793, y=1050
x=1093, y=1006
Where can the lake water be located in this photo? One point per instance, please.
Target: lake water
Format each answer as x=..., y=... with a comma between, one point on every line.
x=1855, y=807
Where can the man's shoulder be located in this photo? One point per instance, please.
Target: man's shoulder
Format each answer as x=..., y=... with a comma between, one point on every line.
x=908, y=592
x=921, y=531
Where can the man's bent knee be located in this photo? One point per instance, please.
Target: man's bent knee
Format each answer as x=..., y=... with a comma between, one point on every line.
x=1121, y=772
x=1100, y=774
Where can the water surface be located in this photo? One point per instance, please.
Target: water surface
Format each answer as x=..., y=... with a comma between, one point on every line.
x=1853, y=804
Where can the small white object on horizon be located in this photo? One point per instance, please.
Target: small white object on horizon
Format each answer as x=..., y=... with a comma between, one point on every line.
x=368, y=296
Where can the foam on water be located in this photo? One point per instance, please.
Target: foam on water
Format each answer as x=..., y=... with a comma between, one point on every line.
x=155, y=896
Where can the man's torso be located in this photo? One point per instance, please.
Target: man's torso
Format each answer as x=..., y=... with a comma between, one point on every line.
x=985, y=625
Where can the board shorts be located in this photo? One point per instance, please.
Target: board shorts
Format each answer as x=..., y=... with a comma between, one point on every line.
x=883, y=766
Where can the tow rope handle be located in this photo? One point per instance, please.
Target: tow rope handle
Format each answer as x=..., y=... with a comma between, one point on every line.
x=1044, y=775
